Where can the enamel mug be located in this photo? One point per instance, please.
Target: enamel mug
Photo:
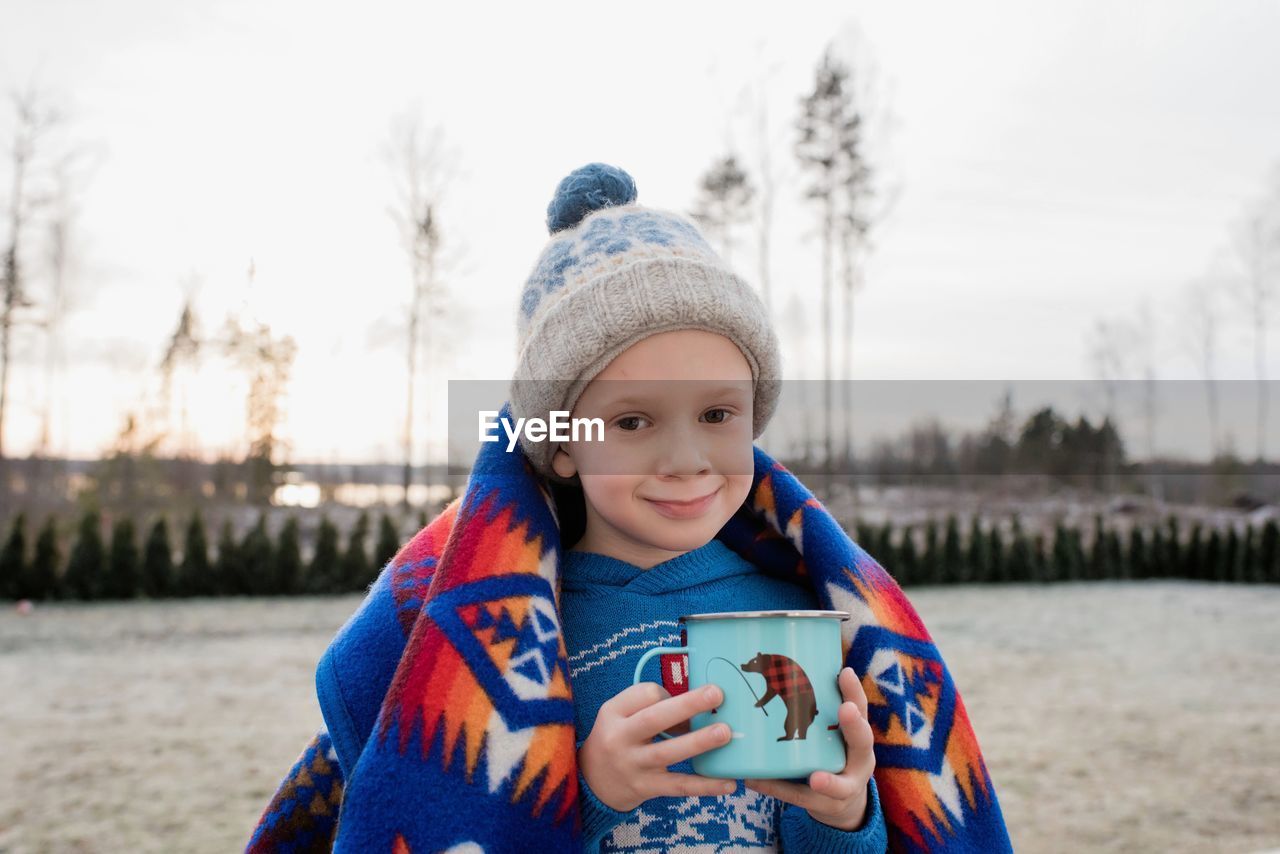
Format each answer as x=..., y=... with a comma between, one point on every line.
x=778, y=672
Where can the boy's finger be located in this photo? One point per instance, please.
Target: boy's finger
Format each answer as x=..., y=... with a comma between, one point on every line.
x=794, y=793
x=851, y=689
x=633, y=698
x=671, y=784
x=651, y=720
x=678, y=749
x=859, y=741
x=838, y=786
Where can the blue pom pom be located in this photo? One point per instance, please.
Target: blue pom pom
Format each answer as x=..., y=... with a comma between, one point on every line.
x=587, y=189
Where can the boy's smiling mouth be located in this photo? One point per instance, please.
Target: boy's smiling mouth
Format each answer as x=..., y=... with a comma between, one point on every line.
x=684, y=509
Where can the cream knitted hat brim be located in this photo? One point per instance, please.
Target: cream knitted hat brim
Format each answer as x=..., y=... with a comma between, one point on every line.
x=614, y=273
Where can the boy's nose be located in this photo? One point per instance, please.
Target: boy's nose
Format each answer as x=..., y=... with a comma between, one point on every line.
x=682, y=453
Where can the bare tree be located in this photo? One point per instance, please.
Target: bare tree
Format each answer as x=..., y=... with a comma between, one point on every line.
x=768, y=174
x=181, y=358
x=422, y=170
x=796, y=324
x=1145, y=345
x=724, y=202
x=70, y=174
x=1200, y=335
x=829, y=129
x=832, y=143
x=1107, y=346
x=267, y=360
x=868, y=199
x=1257, y=241
x=33, y=121
x=1108, y=351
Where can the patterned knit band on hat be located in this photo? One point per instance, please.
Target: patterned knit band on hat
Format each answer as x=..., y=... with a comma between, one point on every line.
x=616, y=272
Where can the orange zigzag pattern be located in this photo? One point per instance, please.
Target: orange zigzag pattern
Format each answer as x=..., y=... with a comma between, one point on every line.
x=434, y=689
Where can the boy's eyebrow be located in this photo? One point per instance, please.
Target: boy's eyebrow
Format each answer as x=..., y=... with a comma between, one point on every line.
x=641, y=400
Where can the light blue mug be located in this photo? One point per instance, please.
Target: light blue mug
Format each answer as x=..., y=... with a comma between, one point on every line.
x=778, y=672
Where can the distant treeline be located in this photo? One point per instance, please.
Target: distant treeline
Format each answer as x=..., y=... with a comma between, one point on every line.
x=257, y=565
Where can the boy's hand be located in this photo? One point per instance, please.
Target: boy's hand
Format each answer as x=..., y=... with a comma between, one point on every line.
x=838, y=800
x=624, y=766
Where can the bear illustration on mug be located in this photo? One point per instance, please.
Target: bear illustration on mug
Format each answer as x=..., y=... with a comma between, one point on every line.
x=786, y=679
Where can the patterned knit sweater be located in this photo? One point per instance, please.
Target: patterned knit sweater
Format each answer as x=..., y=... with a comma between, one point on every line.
x=614, y=611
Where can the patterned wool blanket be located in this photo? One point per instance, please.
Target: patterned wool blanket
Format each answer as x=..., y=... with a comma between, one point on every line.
x=443, y=745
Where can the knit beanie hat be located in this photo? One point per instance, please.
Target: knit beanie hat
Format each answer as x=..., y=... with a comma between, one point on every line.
x=616, y=272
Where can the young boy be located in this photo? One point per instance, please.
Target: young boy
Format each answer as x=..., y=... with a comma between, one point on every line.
x=677, y=464
x=481, y=698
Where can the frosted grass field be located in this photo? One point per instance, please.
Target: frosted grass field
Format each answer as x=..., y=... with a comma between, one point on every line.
x=1114, y=716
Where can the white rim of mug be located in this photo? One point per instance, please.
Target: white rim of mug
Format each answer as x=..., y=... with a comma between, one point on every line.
x=745, y=615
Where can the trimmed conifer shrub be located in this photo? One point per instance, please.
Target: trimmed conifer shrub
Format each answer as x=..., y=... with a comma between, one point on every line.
x=157, y=562
x=257, y=560
x=952, y=565
x=322, y=572
x=977, y=559
x=388, y=542
x=1021, y=565
x=195, y=573
x=998, y=570
x=288, y=575
x=1269, y=552
x=908, y=559
x=87, y=565
x=13, y=561
x=354, y=566
x=228, y=569
x=45, y=563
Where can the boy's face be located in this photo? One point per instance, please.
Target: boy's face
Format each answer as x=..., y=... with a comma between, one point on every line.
x=677, y=414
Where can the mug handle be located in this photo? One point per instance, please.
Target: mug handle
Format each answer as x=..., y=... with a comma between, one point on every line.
x=644, y=659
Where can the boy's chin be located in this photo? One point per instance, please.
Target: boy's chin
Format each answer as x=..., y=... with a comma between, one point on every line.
x=675, y=537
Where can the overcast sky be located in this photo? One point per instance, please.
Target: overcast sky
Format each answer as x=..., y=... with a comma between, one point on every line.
x=1056, y=163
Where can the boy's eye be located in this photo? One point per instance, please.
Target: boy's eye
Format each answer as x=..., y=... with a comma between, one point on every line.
x=719, y=415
